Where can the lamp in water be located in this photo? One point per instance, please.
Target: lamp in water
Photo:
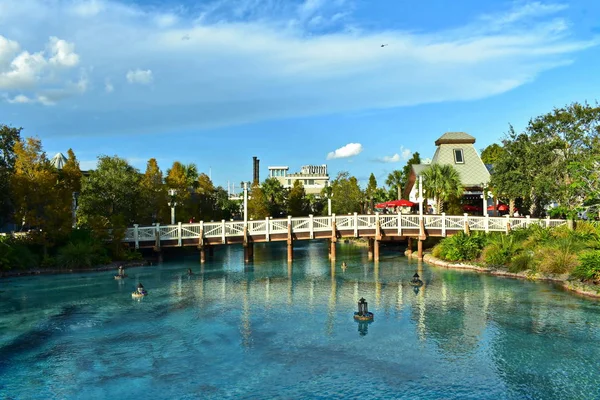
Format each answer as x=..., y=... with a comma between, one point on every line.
x=363, y=313
x=416, y=280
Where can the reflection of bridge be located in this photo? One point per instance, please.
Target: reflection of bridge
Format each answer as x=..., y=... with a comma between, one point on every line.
x=374, y=227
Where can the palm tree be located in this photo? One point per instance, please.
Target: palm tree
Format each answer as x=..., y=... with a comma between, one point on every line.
x=395, y=179
x=191, y=175
x=442, y=182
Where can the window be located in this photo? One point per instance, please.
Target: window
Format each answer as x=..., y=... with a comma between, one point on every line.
x=458, y=156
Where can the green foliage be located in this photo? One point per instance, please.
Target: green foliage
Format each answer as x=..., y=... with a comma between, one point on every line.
x=16, y=253
x=461, y=247
x=559, y=256
x=589, y=266
x=276, y=196
x=522, y=262
x=491, y=154
x=9, y=136
x=442, y=183
x=347, y=196
x=258, y=206
x=111, y=190
x=501, y=249
x=74, y=256
x=297, y=203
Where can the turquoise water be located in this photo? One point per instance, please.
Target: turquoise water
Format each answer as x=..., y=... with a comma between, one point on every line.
x=274, y=331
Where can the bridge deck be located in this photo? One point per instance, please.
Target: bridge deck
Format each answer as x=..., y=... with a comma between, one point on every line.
x=305, y=228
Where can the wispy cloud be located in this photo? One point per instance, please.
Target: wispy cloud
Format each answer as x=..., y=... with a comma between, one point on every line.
x=402, y=156
x=248, y=60
x=349, y=150
x=140, y=76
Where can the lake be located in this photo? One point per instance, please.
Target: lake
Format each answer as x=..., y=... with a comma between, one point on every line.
x=272, y=330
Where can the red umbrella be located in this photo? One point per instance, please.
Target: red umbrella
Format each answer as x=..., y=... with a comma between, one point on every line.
x=380, y=205
x=400, y=203
x=501, y=207
x=468, y=207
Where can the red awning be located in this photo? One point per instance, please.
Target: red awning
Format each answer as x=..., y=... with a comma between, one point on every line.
x=501, y=207
x=469, y=207
x=395, y=203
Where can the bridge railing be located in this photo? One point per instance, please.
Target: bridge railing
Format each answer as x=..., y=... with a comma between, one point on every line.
x=354, y=223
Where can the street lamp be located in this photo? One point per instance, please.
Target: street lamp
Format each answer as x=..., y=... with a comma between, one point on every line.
x=484, y=198
x=329, y=194
x=172, y=203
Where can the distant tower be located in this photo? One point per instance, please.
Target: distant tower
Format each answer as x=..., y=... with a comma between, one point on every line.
x=255, y=174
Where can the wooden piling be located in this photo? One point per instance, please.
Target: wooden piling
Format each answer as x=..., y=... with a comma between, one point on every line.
x=420, y=250
x=371, y=245
x=333, y=241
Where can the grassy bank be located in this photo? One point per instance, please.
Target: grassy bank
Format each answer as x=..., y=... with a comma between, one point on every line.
x=570, y=257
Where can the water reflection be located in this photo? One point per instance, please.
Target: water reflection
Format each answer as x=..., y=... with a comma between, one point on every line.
x=460, y=334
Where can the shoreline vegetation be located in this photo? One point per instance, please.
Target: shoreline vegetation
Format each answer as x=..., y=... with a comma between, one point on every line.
x=564, y=280
x=568, y=258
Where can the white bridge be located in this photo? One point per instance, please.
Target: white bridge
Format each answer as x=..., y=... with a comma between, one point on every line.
x=376, y=226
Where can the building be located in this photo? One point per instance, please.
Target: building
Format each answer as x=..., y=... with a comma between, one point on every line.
x=313, y=177
x=458, y=150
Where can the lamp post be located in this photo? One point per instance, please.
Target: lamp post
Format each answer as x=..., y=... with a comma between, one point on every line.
x=172, y=203
x=484, y=197
x=421, y=196
x=245, y=203
x=329, y=194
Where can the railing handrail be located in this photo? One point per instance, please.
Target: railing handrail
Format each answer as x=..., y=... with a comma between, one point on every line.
x=350, y=222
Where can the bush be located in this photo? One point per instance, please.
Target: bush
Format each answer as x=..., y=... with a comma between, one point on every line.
x=15, y=253
x=522, y=262
x=461, y=247
x=560, y=256
x=501, y=249
x=75, y=255
x=589, y=266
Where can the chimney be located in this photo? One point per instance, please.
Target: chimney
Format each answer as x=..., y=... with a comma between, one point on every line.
x=256, y=169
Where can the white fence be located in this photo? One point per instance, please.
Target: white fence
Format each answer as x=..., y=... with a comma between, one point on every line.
x=351, y=222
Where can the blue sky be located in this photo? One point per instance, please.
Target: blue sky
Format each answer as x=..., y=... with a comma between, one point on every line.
x=293, y=82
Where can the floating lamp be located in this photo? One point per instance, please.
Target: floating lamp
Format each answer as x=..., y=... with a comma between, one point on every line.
x=363, y=313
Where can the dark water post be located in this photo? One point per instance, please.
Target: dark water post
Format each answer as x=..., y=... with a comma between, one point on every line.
x=371, y=245
x=362, y=307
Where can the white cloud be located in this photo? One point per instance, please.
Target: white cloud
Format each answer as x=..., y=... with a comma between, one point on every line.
x=63, y=53
x=140, y=76
x=108, y=86
x=240, y=61
x=349, y=150
x=404, y=155
x=20, y=98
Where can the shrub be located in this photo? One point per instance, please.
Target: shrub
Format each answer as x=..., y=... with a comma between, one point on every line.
x=560, y=256
x=589, y=266
x=522, y=262
x=501, y=249
x=73, y=255
x=461, y=247
x=15, y=253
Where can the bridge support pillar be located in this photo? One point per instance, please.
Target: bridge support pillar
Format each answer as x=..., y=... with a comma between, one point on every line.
x=376, y=249
x=248, y=252
x=370, y=241
x=420, y=249
x=202, y=255
x=333, y=240
x=409, y=246
x=290, y=241
x=332, y=250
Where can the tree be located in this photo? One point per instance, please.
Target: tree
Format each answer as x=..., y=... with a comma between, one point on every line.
x=191, y=175
x=490, y=154
x=178, y=179
x=154, y=193
x=347, y=196
x=205, y=197
x=111, y=195
x=40, y=203
x=276, y=195
x=258, y=207
x=371, y=190
x=415, y=159
x=442, y=183
x=395, y=179
x=298, y=205
x=9, y=136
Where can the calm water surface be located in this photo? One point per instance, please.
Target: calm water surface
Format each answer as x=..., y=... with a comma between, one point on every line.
x=275, y=331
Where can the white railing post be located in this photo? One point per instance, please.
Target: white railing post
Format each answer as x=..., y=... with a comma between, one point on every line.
x=399, y=222
x=331, y=221
x=547, y=221
x=527, y=221
x=507, y=225
x=201, y=229
x=179, y=234
x=267, y=233
x=377, y=231
x=487, y=223
x=311, y=226
x=136, y=237
x=223, y=231
x=443, y=224
x=355, y=222
x=466, y=223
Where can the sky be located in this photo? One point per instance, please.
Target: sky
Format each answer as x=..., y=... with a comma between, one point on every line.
x=355, y=84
